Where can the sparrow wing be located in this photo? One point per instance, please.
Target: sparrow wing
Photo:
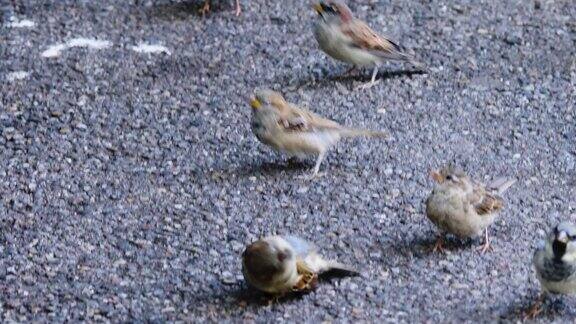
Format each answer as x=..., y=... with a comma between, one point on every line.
x=484, y=202
x=301, y=246
x=362, y=36
x=500, y=185
x=302, y=120
x=309, y=260
x=307, y=278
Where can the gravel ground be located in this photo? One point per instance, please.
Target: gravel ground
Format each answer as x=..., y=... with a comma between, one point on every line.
x=130, y=182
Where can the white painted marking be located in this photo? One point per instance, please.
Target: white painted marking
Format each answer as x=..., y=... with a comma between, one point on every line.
x=55, y=50
x=151, y=48
x=88, y=42
x=24, y=23
x=17, y=75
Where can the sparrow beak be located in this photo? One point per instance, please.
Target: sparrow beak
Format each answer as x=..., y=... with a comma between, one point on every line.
x=562, y=237
x=255, y=104
x=318, y=8
x=436, y=176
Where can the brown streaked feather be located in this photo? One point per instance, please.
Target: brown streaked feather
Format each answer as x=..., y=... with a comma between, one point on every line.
x=293, y=125
x=307, y=278
x=364, y=37
x=488, y=203
x=306, y=282
x=303, y=268
x=293, y=118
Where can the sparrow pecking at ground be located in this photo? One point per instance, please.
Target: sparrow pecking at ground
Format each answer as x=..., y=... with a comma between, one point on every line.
x=282, y=264
x=206, y=8
x=555, y=264
x=462, y=207
x=297, y=131
x=350, y=40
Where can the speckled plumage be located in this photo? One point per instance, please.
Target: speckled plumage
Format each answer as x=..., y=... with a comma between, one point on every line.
x=462, y=207
x=350, y=40
x=297, y=131
x=277, y=264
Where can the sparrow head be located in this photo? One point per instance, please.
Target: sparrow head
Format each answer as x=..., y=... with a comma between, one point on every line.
x=563, y=242
x=329, y=9
x=267, y=257
x=267, y=97
x=450, y=175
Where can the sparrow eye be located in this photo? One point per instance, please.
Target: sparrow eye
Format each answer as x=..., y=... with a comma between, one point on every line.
x=282, y=256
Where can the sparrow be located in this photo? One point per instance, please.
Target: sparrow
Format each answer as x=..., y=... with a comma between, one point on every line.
x=348, y=39
x=283, y=264
x=555, y=264
x=297, y=131
x=462, y=207
x=206, y=8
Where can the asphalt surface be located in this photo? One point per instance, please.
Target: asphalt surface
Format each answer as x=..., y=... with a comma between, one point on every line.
x=130, y=182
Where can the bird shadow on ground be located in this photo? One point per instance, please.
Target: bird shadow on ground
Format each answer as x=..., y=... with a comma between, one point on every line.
x=420, y=246
x=291, y=167
x=245, y=296
x=180, y=10
x=348, y=79
x=552, y=308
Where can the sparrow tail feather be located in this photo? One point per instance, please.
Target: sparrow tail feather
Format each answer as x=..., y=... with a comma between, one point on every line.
x=363, y=133
x=340, y=269
x=403, y=56
x=502, y=184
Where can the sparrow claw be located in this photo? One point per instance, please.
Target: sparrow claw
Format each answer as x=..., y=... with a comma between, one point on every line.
x=439, y=246
x=485, y=248
x=533, y=311
x=313, y=176
x=367, y=85
x=205, y=8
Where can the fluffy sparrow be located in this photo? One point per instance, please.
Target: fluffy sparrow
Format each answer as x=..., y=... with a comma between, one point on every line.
x=462, y=207
x=350, y=40
x=281, y=264
x=206, y=8
x=555, y=264
x=297, y=131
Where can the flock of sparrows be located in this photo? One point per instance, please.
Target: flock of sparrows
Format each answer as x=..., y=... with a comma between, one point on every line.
x=457, y=205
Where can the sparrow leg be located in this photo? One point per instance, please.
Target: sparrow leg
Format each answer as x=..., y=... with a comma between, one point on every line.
x=238, y=9
x=275, y=299
x=535, y=309
x=439, y=245
x=372, y=82
x=486, y=246
x=350, y=70
x=318, y=162
x=205, y=8
x=374, y=75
